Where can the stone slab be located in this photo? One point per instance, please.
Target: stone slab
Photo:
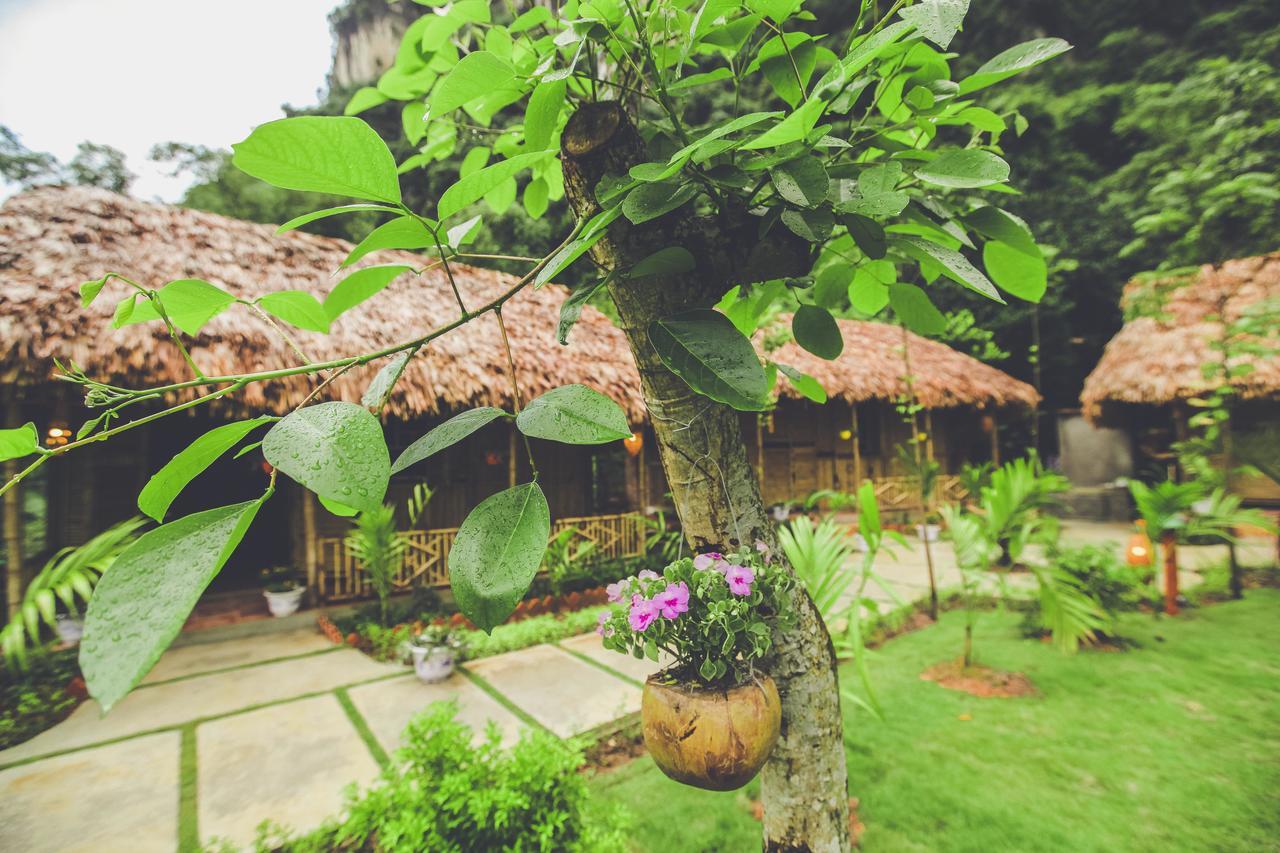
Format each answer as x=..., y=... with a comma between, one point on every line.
x=566, y=695
x=387, y=707
x=207, y=657
x=288, y=763
x=123, y=796
x=588, y=645
x=179, y=702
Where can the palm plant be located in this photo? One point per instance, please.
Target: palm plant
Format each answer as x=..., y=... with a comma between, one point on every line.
x=1217, y=518
x=69, y=575
x=1166, y=508
x=378, y=545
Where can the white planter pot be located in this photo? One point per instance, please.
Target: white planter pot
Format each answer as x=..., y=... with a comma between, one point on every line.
x=284, y=603
x=433, y=664
x=859, y=543
x=928, y=532
x=70, y=629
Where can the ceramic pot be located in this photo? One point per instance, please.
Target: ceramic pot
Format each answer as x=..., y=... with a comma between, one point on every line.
x=284, y=603
x=717, y=739
x=433, y=664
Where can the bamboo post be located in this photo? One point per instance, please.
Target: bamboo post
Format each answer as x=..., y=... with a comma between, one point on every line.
x=995, y=440
x=857, y=449
x=928, y=428
x=309, y=546
x=12, y=515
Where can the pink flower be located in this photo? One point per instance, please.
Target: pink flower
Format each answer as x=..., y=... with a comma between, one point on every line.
x=600, y=626
x=617, y=591
x=707, y=560
x=763, y=548
x=648, y=575
x=673, y=600
x=643, y=612
x=740, y=579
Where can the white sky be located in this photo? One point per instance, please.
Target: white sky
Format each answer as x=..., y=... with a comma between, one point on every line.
x=132, y=73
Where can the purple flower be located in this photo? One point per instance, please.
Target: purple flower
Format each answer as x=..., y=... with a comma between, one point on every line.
x=707, y=560
x=601, y=629
x=648, y=575
x=673, y=600
x=643, y=612
x=740, y=579
x=763, y=548
x=617, y=591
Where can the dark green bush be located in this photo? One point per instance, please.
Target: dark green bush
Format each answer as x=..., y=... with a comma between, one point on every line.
x=33, y=700
x=599, y=571
x=444, y=793
x=1097, y=571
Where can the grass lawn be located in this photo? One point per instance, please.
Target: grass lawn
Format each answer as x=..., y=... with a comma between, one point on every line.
x=1172, y=745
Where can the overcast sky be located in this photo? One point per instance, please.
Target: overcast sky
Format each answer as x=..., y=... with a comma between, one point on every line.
x=131, y=73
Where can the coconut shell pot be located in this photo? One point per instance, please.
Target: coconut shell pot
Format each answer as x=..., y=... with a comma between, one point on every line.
x=712, y=738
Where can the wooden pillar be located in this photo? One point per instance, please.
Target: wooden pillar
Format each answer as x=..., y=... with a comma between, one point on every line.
x=995, y=440
x=1170, y=542
x=12, y=513
x=309, y=546
x=857, y=449
x=928, y=428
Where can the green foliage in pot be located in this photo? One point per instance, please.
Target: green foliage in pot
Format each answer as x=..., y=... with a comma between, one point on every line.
x=280, y=579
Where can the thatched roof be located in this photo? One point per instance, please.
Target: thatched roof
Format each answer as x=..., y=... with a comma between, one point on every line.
x=1156, y=359
x=872, y=367
x=51, y=239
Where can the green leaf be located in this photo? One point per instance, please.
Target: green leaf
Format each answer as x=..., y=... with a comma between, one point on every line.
x=1018, y=273
x=89, y=290
x=669, y=261
x=867, y=234
x=793, y=128
x=684, y=84
x=804, y=383
x=574, y=414
x=384, y=381
x=165, y=485
x=445, y=435
x=472, y=188
x=864, y=52
x=649, y=201
x=537, y=197
x=365, y=98
x=955, y=265
x=878, y=194
x=1013, y=61
x=812, y=225
x=325, y=154
x=413, y=122
x=816, y=330
x=937, y=20
x=339, y=509
x=543, y=114
x=731, y=126
x=965, y=168
x=708, y=352
x=802, y=181
x=299, y=221
x=477, y=75
x=497, y=552
x=190, y=303
x=19, y=442
x=359, y=286
x=139, y=606
x=915, y=310
x=571, y=308
x=578, y=247
x=336, y=450
x=868, y=294
x=297, y=308
x=404, y=232
x=996, y=224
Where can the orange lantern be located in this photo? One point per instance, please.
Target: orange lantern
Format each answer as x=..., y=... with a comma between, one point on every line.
x=634, y=443
x=1139, y=552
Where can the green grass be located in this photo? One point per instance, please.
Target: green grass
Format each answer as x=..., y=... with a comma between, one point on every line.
x=1171, y=745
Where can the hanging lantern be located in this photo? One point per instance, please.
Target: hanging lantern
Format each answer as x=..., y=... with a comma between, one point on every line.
x=846, y=435
x=493, y=457
x=1139, y=551
x=57, y=435
x=634, y=443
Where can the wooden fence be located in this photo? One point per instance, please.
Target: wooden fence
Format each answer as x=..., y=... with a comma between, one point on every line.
x=341, y=576
x=899, y=494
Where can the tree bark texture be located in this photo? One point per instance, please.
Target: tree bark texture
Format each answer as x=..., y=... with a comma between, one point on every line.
x=717, y=496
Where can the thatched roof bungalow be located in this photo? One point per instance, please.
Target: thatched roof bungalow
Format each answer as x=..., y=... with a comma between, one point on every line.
x=1155, y=363
x=54, y=238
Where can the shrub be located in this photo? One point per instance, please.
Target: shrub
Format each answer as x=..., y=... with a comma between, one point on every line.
x=445, y=793
x=1097, y=572
x=528, y=632
x=598, y=571
x=36, y=698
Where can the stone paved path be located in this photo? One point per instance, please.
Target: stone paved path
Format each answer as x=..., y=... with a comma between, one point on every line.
x=224, y=735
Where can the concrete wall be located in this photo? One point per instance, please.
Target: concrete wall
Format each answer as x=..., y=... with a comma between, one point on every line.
x=1091, y=455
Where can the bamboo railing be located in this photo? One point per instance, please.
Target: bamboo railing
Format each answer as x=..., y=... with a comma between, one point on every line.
x=340, y=577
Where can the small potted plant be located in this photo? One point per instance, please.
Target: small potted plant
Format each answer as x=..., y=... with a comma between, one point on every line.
x=435, y=651
x=283, y=590
x=710, y=719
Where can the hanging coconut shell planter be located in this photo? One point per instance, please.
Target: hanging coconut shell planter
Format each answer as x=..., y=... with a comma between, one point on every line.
x=710, y=738
x=711, y=718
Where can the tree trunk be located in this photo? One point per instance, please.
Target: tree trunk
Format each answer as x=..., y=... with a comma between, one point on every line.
x=1170, y=542
x=805, y=786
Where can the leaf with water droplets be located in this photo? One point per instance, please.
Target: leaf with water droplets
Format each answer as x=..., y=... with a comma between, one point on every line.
x=497, y=552
x=574, y=414
x=336, y=450
x=140, y=603
x=445, y=435
x=185, y=466
x=379, y=389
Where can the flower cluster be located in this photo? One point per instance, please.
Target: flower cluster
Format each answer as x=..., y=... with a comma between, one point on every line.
x=711, y=616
